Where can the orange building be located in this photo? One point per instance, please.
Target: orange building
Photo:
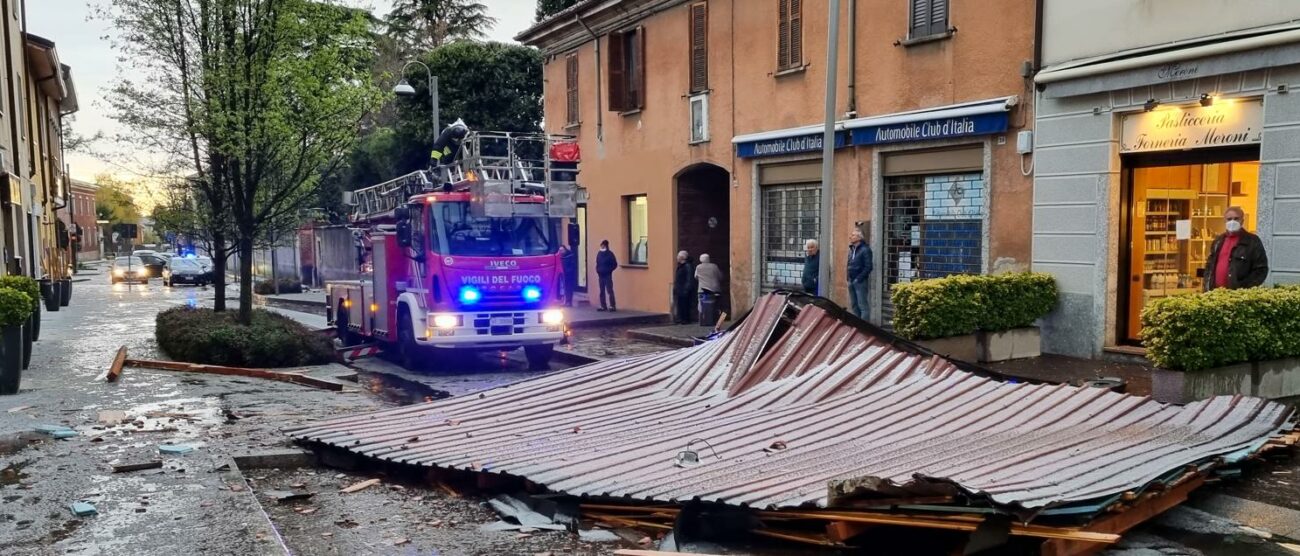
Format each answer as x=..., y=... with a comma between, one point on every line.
x=700, y=125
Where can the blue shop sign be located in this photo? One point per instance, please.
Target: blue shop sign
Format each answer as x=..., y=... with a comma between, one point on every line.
x=788, y=145
x=927, y=130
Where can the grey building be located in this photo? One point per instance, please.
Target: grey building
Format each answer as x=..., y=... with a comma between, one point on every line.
x=1152, y=118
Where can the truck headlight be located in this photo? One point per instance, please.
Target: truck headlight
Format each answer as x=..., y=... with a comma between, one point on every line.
x=553, y=316
x=446, y=321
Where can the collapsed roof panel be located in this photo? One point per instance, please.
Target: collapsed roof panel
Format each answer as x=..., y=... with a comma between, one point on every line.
x=796, y=403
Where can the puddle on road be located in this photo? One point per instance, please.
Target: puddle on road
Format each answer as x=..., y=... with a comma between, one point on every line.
x=188, y=417
x=13, y=474
x=398, y=390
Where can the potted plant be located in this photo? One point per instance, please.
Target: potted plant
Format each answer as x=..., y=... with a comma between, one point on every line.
x=65, y=293
x=15, y=309
x=33, y=290
x=56, y=292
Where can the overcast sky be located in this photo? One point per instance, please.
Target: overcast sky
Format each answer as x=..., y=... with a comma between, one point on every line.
x=83, y=43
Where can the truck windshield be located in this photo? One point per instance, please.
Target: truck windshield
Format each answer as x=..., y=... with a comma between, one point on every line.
x=459, y=232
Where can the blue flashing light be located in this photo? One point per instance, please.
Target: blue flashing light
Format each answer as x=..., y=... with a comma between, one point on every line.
x=532, y=293
x=470, y=295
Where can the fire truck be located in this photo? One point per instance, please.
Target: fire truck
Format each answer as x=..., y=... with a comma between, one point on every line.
x=463, y=256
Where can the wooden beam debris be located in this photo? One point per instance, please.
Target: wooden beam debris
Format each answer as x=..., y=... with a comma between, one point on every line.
x=115, y=370
x=281, y=376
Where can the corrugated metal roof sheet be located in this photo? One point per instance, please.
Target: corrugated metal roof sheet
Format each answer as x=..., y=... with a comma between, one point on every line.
x=847, y=404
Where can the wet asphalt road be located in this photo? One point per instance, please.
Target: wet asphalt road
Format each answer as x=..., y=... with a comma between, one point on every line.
x=187, y=506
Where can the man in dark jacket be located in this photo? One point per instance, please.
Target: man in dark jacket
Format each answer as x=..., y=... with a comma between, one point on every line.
x=1237, y=258
x=859, y=269
x=684, y=287
x=569, y=263
x=811, y=266
x=606, y=262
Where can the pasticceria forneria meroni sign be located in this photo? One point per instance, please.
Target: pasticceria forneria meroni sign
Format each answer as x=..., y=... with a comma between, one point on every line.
x=1170, y=128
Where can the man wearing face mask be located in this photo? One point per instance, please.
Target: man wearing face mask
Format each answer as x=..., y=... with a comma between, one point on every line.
x=1237, y=258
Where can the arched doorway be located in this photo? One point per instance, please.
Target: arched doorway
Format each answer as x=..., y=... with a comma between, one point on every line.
x=704, y=218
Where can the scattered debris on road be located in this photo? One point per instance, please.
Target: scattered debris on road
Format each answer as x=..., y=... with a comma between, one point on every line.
x=360, y=486
x=129, y=467
x=119, y=362
x=82, y=509
x=175, y=449
x=281, y=376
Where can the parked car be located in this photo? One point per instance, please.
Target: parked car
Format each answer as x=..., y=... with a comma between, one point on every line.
x=206, y=262
x=128, y=269
x=180, y=270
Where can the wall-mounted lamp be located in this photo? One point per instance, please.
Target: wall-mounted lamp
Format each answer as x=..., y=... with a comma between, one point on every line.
x=1207, y=100
x=1150, y=105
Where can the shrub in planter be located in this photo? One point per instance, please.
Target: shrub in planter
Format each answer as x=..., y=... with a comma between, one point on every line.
x=15, y=309
x=1222, y=327
x=272, y=340
x=964, y=304
x=287, y=285
x=32, y=288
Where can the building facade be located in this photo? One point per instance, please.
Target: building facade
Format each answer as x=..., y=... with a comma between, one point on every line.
x=1152, y=119
x=700, y=124
x=35, y=93
x=80, y=219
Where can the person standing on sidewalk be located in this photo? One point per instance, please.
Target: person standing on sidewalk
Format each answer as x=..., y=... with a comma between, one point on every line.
x=1237, y=258
x=606, y=263
x=569, y=263
x=811, y=266
x=859, y=269
x=684, y=287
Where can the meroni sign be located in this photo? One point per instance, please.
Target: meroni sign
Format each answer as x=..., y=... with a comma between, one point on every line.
x=1223, y=123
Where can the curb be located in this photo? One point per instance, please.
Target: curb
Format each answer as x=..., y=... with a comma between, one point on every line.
x=661, y=338
x=265, y=300
x=574, y=358
x=619, y=321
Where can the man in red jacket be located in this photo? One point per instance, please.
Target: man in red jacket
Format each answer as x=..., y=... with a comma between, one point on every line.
x=1237, y=258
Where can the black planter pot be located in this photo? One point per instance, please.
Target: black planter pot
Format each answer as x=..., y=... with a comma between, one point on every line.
x=35, y=322
x=11, y=358
x=47, y=288
x=27, y=345
x=52, y=300
x=65, y=294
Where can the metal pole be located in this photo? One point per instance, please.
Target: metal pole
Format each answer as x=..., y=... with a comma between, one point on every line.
x=828, y=152
x=275, y=284
x=433, y=102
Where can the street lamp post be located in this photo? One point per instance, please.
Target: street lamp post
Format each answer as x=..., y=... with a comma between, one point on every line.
x=404, y=88
x=824, y=272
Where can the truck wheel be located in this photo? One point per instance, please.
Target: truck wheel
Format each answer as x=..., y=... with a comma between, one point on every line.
x=407, y=350
x=341, y=322
x=539, y=356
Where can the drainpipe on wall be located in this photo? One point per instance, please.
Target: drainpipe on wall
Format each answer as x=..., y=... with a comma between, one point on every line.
x=600, y=112
x=853, y=59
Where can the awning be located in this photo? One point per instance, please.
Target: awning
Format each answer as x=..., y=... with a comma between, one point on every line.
x=942, y=122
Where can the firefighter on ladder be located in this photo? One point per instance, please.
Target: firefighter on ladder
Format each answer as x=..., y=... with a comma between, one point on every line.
x=446, y=148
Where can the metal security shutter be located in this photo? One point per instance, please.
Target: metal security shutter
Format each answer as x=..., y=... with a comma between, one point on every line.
x=934, y=227
x=791, y=215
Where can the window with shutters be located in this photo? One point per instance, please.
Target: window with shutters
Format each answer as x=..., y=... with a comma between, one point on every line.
x=789, y=43
x=927, y=18
x=571, y=89
x=699, y=47
x=627, y=70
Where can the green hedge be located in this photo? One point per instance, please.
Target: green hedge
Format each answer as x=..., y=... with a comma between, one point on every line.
x=15, y=307
x=204, y=336
x=1222, y=327
x=26, y=285
x=965, y=304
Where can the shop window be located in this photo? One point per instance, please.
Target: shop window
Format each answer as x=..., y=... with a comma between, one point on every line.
x=927, y=18
x=638, y=230
x=1176, y=212
x=571, y=89
x=791, y=216
x=789, y=51
x=699, y=47
x=627, y=70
